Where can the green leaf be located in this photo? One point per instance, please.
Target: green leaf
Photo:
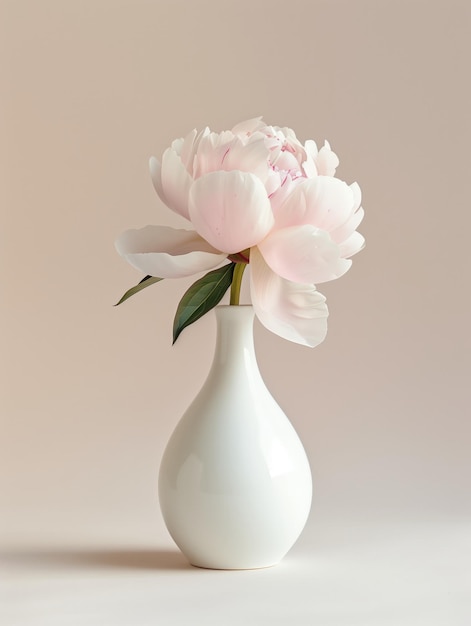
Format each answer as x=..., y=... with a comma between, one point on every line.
x=201, y=297
x=142, y=284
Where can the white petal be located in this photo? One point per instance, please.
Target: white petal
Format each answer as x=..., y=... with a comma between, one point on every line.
x=355, y=187
x=311, y=148
x=303, y=254
x=230, y=210
x=176, y=182
x=343, y=232
x=352, y=245
x=287, y=133
x=156, y=175
x=309, y=166
x=248, y=126
x=185, y=151
x=167, y=252
x=326, y=161
x=293, y=311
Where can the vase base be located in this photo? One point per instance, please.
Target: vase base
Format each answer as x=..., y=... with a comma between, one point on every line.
x=235, y=568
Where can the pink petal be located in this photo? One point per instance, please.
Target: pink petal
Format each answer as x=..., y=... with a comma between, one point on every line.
x=293, y=311
x=251, y=156
x=303, y=254
x=323, y=201
x=230, y=210
x=286, y=161
x=212, y=151
x=176, y=182
x=273, y=183
x=167, y=252
x=227, y=152
x=280, y=195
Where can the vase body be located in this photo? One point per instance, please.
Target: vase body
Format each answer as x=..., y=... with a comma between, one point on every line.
x=235, y=484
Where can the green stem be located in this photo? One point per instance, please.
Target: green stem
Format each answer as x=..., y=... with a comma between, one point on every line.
x=237, y=282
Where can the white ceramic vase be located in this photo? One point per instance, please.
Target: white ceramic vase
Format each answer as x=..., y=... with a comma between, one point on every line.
x=235, y=484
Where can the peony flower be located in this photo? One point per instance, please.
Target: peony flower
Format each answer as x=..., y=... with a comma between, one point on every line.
x=254, y=196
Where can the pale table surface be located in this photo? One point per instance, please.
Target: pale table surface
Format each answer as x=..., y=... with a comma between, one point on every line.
x=343, y=574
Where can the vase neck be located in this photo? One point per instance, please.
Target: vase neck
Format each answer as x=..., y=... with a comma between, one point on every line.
x=234, y=336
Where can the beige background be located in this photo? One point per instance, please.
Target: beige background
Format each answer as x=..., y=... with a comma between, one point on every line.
x=91, y=393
